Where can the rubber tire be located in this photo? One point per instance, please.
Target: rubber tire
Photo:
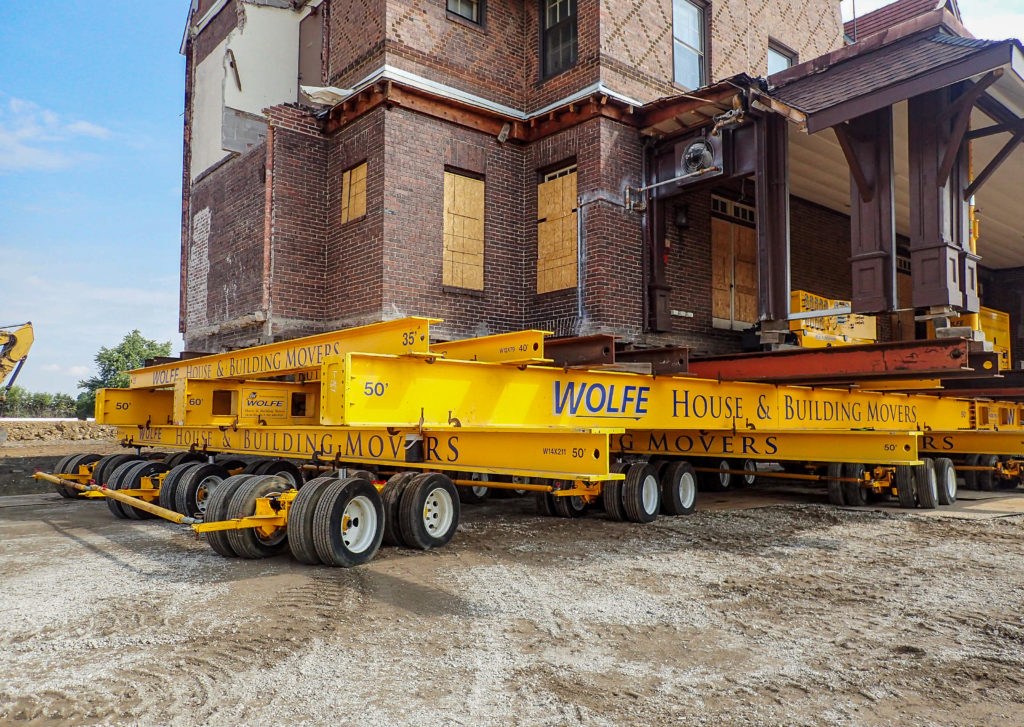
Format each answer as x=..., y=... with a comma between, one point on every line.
x=245, y=543
x=853, y=494
x=169, y=487
x=466, y=494
x=217, y=509
x=747, y=480
x=611, y=494
x=906, y=486
x=113, y=483
x=63, y=468
x=186, y=497
x=133, y=478
x=714, y=481
x=105, y=467
x=285, y=470
x=182, y=457
x=255, y=466
x=413, y=532
x=71, y=468
x=638, y=477
x=676, y=478
x=544, y=501
x=327, y=522
x=569, y=506
x=231, y=463
x=836, y=494
x=945, y=477
x=971, y=476
x=987, y=480
x=300, y=520
x=926, y=484
x=390, y=497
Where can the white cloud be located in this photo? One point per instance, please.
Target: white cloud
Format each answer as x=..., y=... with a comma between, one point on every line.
x=36, y=138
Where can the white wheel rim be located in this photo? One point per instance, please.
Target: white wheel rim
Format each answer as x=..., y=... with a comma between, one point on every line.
x=951, y=481
x=479, y=490
x=358, y=524
x=205, y=488
x=750, y=466
x=687, y=490
x=724, y=477
x=438, y=512
x=650, y=494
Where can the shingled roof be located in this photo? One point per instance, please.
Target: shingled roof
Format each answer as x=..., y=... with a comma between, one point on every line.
x=893, y=14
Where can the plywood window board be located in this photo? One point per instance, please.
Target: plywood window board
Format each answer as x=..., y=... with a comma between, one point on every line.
x=557, y=239
x=353, y=193
x=463, y=234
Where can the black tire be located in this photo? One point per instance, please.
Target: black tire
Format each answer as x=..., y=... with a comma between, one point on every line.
x=678, y=488
x=853, y=492
x=945, y=478
x=182, y=457
x=132, y=480
x=971, y=476
x=169, y=487
x=71, y=468
x=348, y=522
x=477, y=493
x=105, y=467
x=747, y=465
x=718, y=481
x=906, y=485
x=926, y=484
x=247, y=542
x=641, y=494
x=195, y=487
x=232, y=464
x=285, y=470
x=987, y=479
x=217, y=509
x=361, y=474
x=62, y=468
x=390, y=497
x=300, y=520
x=544, y=501
x=113, y=483
x=835, y=486
x=569, y=506
x=611, y=494
x=428, y=512
x=256, y=466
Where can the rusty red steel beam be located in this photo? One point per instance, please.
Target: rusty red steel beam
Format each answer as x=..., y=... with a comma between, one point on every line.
x=934, y=358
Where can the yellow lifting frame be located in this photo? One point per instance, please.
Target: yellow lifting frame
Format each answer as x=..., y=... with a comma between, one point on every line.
x=518, y=347
x=973, y=442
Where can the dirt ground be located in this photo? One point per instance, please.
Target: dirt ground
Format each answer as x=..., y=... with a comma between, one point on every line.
x=763, y=608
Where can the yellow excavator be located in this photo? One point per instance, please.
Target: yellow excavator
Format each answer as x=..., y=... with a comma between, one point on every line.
x=15, y=341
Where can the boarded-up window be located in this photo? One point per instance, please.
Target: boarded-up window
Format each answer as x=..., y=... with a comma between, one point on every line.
x=733, y=268
x=353, y=193
x=556, y=231
x=463, y=232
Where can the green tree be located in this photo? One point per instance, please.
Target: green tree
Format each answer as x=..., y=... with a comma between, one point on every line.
x=130, y=354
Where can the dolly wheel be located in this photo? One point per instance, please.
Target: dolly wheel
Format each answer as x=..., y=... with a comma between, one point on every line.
x=474, y=494
x=927, y=484
x=835, y=486
x=544, y=501
x=641, y=494
x=105, y=467
x=196, y=485
x=720, y=481
x=611, y=493
x=182, y=457
x=906, y=485
x=971, y=476
x=750, y=467
x=62, y=468
x=285, y=470
x=945, y=478
x=348, y=523
x=253, y=542
x=114, y=483
x=853, y=492
x=987, y=478
x=390, y=497
x=169, y=487
x=568, y=506
x=132, y=480
x=217, y=510
x=428, y=511
x=300, y=520
x=678, y=488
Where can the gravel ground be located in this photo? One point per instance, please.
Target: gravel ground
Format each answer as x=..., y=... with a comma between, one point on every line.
x=790, y=614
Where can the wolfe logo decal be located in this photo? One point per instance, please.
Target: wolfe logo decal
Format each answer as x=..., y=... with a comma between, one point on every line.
x=265, y=404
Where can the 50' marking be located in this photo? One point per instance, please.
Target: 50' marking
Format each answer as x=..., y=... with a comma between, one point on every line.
x=375, y=389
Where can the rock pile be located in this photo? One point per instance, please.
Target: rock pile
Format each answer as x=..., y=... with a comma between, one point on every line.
x=28, y=431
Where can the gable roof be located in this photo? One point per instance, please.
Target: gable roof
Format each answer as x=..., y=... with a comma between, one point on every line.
x=893, y=14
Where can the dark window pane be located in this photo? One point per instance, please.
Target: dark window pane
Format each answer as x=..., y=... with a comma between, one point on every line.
x=559, y=38
x=469, y=9
x=688, y=67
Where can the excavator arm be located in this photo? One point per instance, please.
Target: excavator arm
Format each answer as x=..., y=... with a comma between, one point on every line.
x=15, y=341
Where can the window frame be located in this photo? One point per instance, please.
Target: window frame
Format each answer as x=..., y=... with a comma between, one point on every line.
x=457, y=17
x=545, y=71
x=366, y=177
x=783, y=50
x=705, y=39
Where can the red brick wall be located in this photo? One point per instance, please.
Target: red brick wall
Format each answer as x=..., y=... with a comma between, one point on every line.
x=215, y=31
x=355, y=39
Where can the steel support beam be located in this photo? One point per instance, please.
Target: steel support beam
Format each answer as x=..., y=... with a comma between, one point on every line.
x=772, y=185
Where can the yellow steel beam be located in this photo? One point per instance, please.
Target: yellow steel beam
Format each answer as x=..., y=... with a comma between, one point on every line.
x=975, y=442
x=405, y=335
x=253, y=521
x=401, y=391
x=518, y=347
x=580, y=454
x=781, y=446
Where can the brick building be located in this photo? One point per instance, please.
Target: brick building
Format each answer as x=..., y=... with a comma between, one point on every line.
x=479, y=161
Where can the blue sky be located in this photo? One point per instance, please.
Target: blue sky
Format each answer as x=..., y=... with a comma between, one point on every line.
x=91, y=99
